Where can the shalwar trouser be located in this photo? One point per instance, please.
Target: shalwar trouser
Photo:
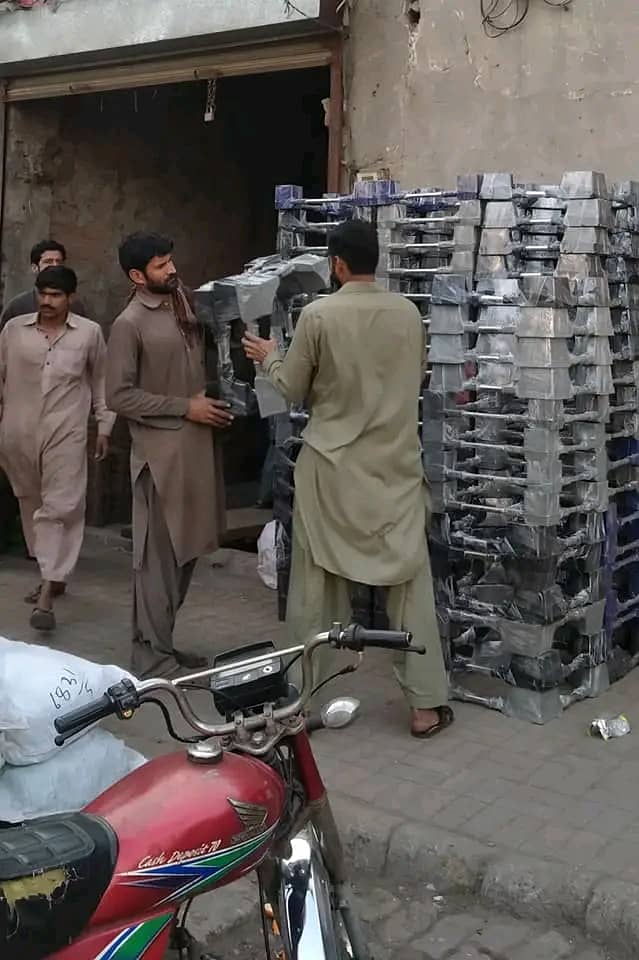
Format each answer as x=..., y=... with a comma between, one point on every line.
x=160, y=585
x=317, y=598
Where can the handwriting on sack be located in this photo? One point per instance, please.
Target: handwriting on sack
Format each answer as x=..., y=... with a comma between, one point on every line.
x=68, y=688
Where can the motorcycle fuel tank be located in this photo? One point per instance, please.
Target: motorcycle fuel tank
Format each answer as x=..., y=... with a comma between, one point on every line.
x=184, y=828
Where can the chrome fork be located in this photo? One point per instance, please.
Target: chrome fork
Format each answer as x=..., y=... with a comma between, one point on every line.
x=306, y=911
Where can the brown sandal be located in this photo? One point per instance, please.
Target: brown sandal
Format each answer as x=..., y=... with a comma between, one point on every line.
x=59, y=589
x=446, y=717
x=42, y=620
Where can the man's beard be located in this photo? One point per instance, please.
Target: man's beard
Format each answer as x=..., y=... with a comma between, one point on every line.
x=336, y=283
x=169, y=286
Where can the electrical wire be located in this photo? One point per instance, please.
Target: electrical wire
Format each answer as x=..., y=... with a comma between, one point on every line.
x=290, y=7
x=351, y=668
x=167, y=719
x=501, y=16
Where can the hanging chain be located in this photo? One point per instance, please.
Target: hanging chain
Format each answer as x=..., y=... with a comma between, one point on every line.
x=211, y=100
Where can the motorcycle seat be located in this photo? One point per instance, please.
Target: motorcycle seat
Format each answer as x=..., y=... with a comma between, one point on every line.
x=53, y=873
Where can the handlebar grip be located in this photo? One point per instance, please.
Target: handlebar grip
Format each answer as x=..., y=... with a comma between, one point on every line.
x=357, y=638
x=90, y=713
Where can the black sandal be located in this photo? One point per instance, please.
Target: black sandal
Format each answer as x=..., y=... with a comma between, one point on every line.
x=446, y=717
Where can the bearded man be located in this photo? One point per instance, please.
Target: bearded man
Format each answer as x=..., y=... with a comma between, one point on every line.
x=156, y=380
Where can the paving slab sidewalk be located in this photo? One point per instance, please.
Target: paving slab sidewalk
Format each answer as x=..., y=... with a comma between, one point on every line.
x=543, y=821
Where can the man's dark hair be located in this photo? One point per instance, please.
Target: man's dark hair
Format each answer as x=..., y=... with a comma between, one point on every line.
x=356, y=243
x=41, y=248
x=138, y=249
x=57, y=278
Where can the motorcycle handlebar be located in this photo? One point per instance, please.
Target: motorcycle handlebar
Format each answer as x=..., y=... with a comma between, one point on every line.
x=123, y=698
x=357, y=638
x=85, y=716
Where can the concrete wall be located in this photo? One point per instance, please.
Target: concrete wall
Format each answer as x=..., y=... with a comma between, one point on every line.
x=85, y=30
x=440, y=98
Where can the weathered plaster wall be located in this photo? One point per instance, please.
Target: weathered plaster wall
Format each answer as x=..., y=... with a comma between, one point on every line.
x=87, y=171
x=559, y=92
x=32, y=147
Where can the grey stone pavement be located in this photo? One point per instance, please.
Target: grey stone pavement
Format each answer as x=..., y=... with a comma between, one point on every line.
x=414, y=923
x=548, y=800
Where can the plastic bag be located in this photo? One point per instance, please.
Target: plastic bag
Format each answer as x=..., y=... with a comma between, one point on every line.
x=69, y=780
x=266, y=561
x=38, y=684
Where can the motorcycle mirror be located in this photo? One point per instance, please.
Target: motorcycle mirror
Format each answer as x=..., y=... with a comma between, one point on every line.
x=340, y=712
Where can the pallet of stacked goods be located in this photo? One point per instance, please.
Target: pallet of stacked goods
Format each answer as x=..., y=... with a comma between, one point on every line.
x=514, y=446
x=622, y=555
x=424, y=232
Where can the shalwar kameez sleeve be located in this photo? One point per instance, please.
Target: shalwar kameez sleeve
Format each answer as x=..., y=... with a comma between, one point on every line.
x=293, y=374
x=97, y=365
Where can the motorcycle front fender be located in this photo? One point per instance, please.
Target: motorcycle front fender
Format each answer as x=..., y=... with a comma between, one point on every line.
x=305, y=907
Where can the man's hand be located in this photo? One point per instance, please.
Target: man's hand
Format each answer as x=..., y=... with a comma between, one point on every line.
x=101, y=448
x=257, y=349
x=213, y=413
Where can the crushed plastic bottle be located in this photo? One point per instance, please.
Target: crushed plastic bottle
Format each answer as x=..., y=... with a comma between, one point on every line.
x=608, y=727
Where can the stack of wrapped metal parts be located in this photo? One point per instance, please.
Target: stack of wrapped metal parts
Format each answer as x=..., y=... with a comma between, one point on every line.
x=622, y=519
x=529, y=420
x=514, y=437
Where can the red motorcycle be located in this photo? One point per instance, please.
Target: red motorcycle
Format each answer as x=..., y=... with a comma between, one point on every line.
x=115, y=881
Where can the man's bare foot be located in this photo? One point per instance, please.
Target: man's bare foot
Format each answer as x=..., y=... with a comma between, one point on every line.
x=427, y=723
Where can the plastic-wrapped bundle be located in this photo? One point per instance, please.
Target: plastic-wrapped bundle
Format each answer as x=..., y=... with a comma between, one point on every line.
x=514, y=438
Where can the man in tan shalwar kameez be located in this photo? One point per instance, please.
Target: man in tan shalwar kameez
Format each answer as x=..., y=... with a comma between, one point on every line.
x=156, y=380
x=51, y=374
x=361, y=500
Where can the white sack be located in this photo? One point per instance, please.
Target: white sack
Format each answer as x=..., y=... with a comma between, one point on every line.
x=266, y=558
x=37, y=685
x=68, y=781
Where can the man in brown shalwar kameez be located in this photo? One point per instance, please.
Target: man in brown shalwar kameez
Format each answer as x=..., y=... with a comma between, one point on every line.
x=361, y=500
x=51, y=374
x=156, y=380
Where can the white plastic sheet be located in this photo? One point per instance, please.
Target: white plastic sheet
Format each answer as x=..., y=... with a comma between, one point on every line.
x=37, y=685
x=69, y=780
x=266, y=556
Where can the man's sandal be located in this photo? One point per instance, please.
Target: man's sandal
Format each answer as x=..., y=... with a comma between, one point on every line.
x=446, y=717
x=42, y=620
x=58, y=590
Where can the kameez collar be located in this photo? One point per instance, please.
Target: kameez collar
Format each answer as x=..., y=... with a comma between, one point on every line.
x=31, y=319
x=361, y=286
x=152, y=300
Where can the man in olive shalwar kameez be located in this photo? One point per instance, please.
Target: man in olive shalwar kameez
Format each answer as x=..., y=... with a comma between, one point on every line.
x=156, y=380
x=361, y=501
